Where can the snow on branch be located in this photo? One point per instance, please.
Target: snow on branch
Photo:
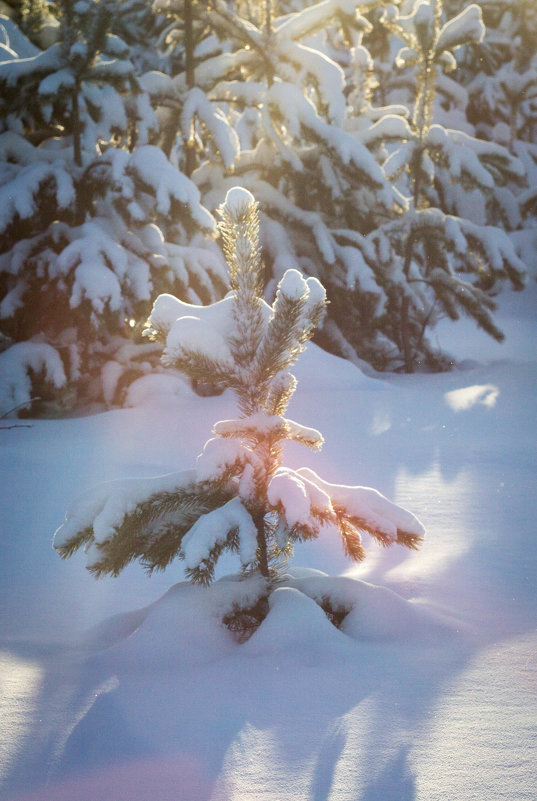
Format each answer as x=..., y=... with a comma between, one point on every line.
x=298, y=500
x=99, y=263
x=214, y=528
x=370, y=511
x=270, y=427
x=149, y=165
x=19, y=196
x=222, y=458
x=315, y=69
x=316, y=18
x=465, y=156
x=223, y=135
x=103, y=508
x=466, y=28
x=299, y=116
x=14, y=71
x=22, y=361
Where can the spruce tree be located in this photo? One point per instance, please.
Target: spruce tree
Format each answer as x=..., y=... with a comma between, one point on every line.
x=501, y=76
x=240, y=497
x=442, y=256
x=95, y=218
x=291, y=81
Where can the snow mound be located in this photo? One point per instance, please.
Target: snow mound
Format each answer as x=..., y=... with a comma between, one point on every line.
x=184, y=627
x=318, y=368
x=238, y=200
x=376, y=613
x=297, y=625
x=157, y=389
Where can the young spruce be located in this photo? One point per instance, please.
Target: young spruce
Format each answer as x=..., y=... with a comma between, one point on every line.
x=240, y=497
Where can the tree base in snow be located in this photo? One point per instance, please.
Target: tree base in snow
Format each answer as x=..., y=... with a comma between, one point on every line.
x=305, y=608
x=242, y=621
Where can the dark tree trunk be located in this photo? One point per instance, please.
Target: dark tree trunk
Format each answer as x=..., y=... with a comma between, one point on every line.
x=190, y=153
x=409, y=250
x=75, y=125
x=259, y=520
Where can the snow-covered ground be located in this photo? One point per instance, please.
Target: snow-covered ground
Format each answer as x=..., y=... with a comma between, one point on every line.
x=117, y=690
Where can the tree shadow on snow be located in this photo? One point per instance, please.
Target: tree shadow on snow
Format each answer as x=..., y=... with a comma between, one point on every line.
x=173, y=708
x=396, y=781
x=158, y=708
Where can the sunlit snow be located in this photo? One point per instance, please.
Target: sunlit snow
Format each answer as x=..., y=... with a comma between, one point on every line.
x=112, y=688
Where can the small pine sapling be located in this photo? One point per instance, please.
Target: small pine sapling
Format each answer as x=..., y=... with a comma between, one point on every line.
x=240, y=497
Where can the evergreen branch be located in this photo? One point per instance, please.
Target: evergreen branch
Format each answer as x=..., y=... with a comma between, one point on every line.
x=153, y=529
x=82, y=538
x=409, y=540
x=203, y=573
x=284, y=339
x=280, y=392
x=259, y=428
x=19, y=406
x=245, y=32
x=200, y=367
x=350, y=537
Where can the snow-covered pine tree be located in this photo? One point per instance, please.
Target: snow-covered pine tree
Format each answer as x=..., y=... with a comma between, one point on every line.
x=442, y=256
x=240, y=497
x=289, y=85
x=139, y=25
x=501, y=78
x=94, y=219
x=192, y=129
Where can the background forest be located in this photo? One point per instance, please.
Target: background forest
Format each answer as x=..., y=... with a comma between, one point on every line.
x=392, y=149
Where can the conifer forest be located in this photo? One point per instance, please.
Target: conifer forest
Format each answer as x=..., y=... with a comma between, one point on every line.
x=391, y=147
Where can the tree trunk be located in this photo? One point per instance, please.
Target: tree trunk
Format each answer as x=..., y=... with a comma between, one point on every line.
x=80, y=205
x=190, y=152
x=75, y=125
x=268, y=17
x=262, y=556
x=409, y=249
x=405, y=335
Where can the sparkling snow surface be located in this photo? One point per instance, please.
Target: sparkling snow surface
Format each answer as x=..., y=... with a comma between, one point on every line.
x=128, y=689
